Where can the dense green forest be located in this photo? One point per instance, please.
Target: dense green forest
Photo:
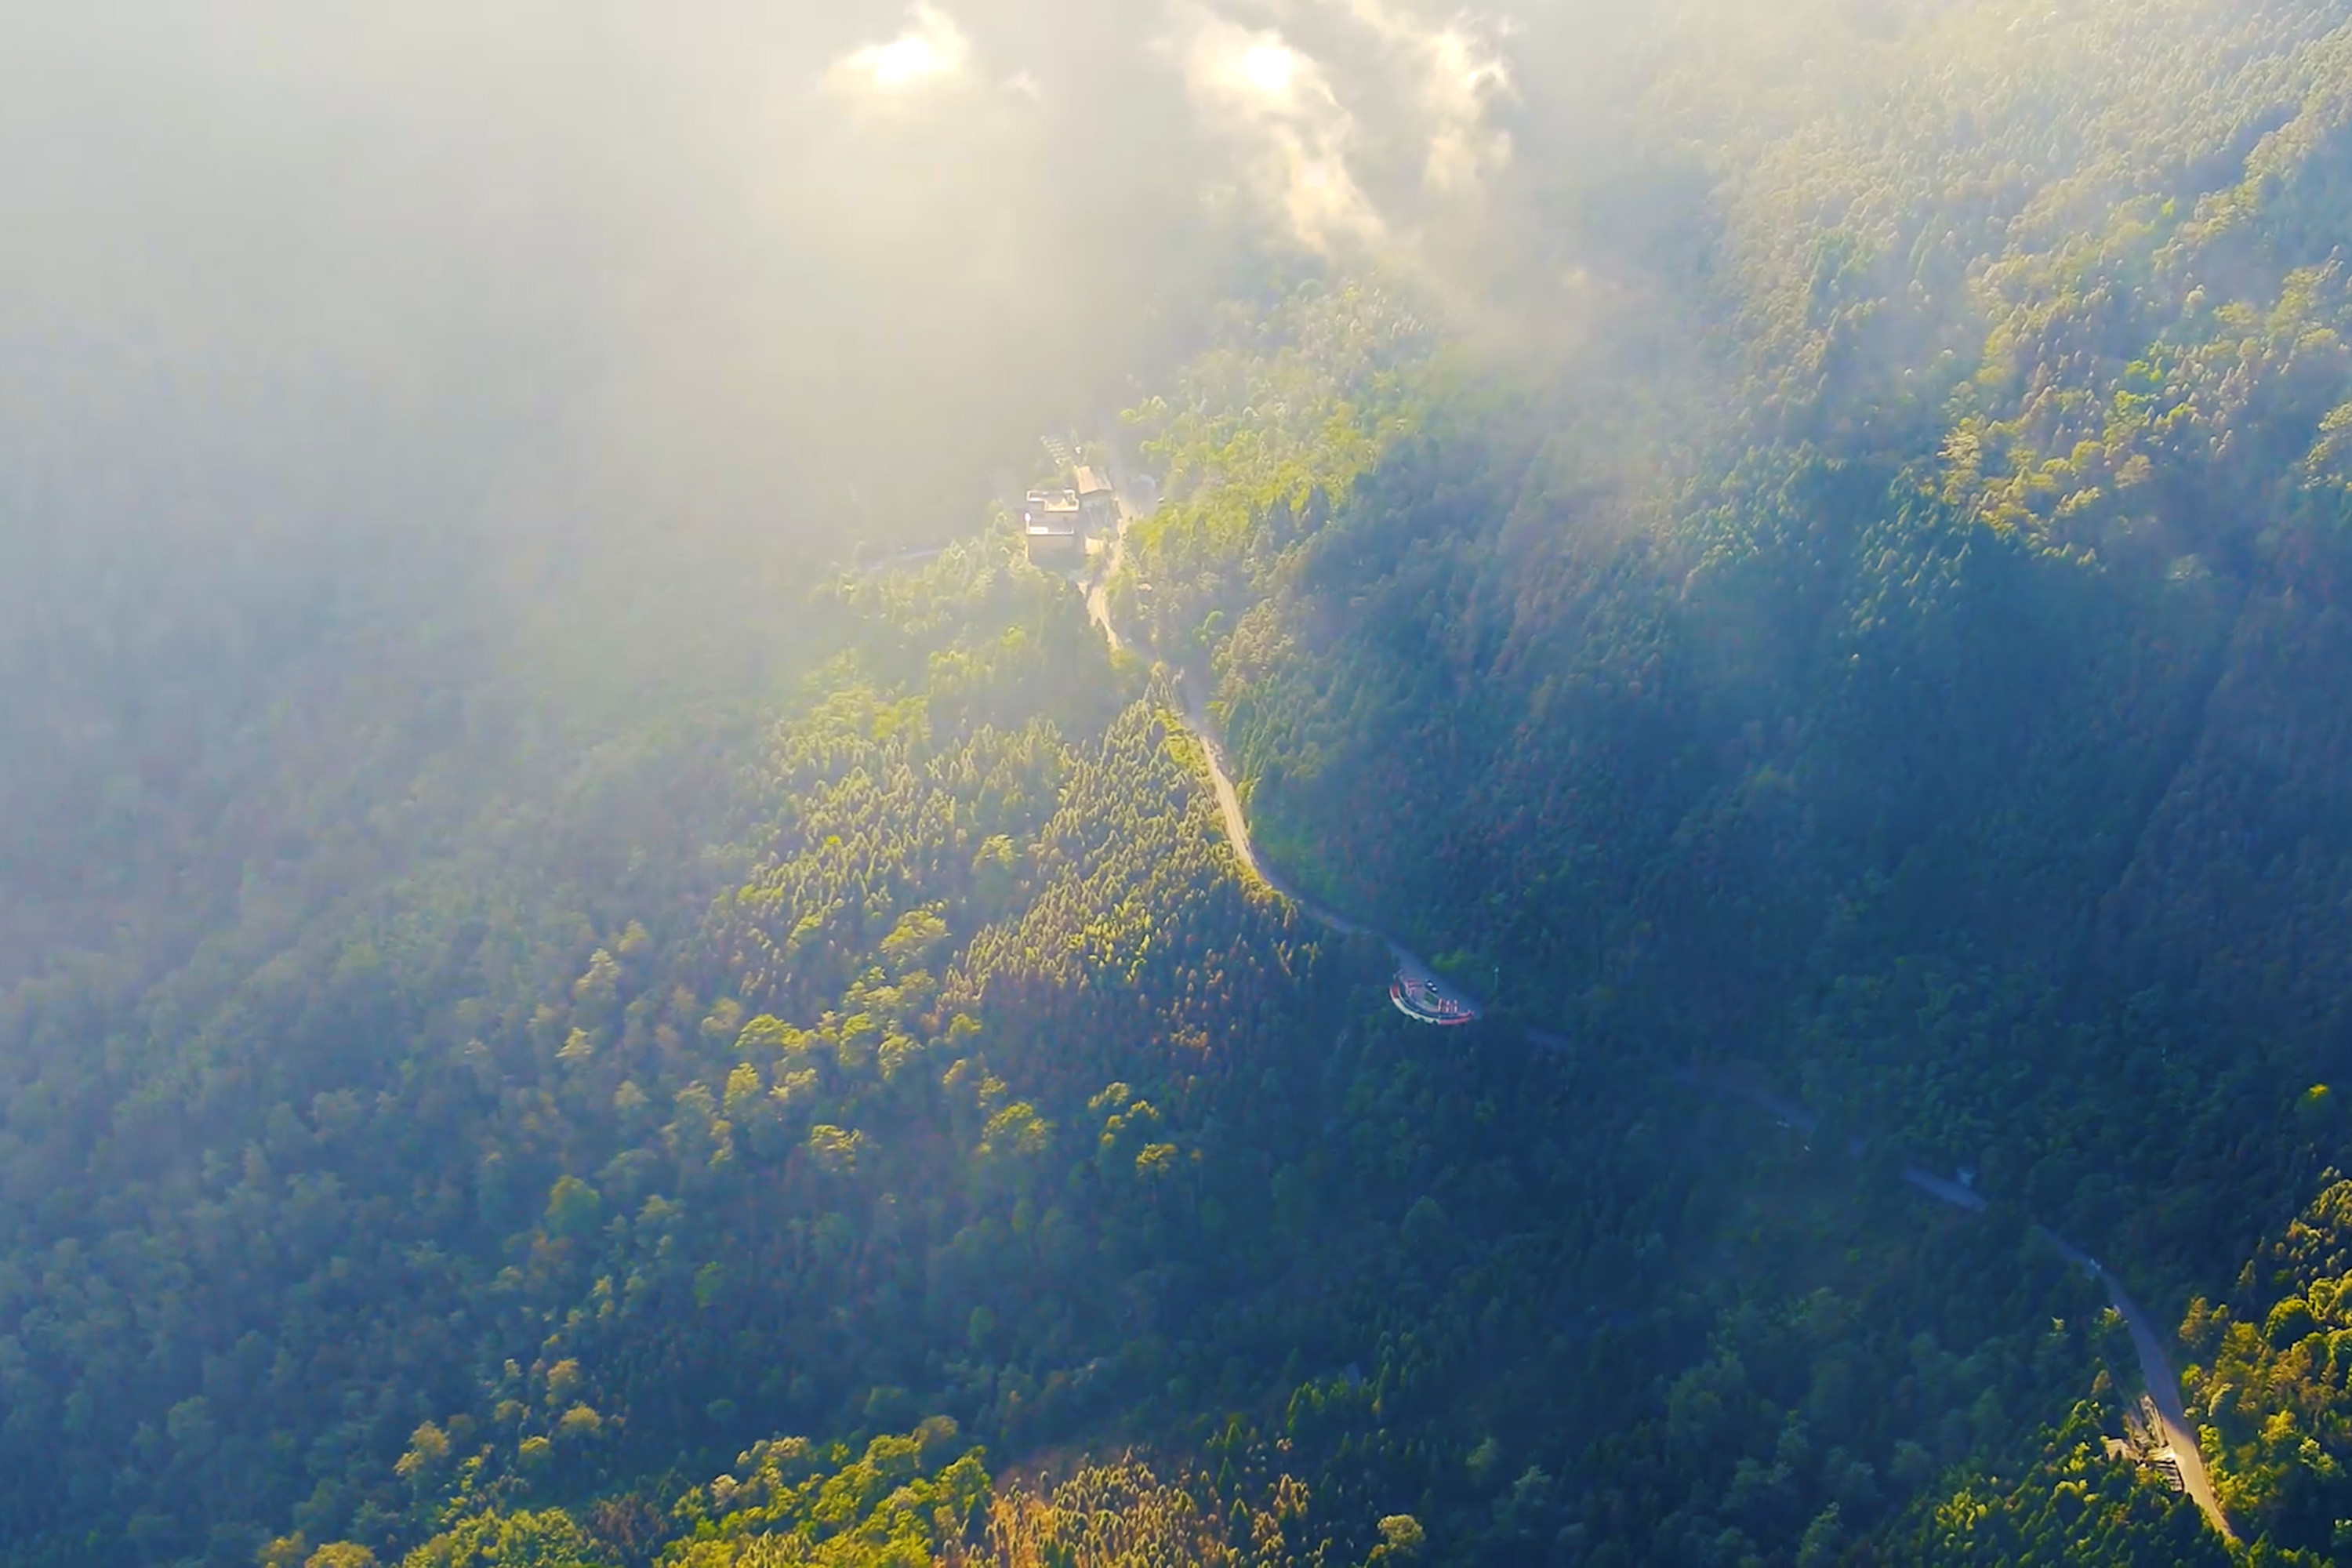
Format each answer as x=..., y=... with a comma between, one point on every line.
x=788, y=1069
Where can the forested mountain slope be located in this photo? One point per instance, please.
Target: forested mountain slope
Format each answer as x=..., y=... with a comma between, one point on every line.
x=2000, y=688
x=1945, y=718
x=795, y=1073
x=952, y=1072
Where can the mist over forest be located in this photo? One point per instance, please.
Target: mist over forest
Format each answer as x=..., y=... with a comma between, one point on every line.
x=1256, y=782
x=550, y=339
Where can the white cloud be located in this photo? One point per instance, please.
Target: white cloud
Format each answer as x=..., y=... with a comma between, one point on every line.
x=1457, y=76
x=1278, y=104
x=931, y=48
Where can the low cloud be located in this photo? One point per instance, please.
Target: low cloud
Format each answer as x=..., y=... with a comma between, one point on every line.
x=1353, y=115
x=1454, y=74
x=1277, y=103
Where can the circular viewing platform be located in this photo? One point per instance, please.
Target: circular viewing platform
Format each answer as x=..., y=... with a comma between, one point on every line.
x=1427, y=1001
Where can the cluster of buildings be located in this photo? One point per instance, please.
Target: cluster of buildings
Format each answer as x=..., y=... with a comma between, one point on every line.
x=1057, y=524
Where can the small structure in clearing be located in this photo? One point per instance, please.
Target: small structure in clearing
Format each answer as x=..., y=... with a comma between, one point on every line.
x=2145, y=1444
x=1052, y=528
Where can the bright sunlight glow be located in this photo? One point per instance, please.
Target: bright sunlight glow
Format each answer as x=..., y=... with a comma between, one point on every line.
x=1268, y=68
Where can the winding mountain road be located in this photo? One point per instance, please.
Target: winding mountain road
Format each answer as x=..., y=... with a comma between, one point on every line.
x=2147, y=1339
x=1098, y=595
x=1410, y=965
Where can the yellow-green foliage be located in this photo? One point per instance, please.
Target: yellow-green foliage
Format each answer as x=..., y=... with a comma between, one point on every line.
x=2077, y=1506
x=2272, y=1398
x=1122, y=1515
x=901, y=1504
x=1263, y=436
x=905, y=1501
x=547, y=1538
x=341, y=1555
